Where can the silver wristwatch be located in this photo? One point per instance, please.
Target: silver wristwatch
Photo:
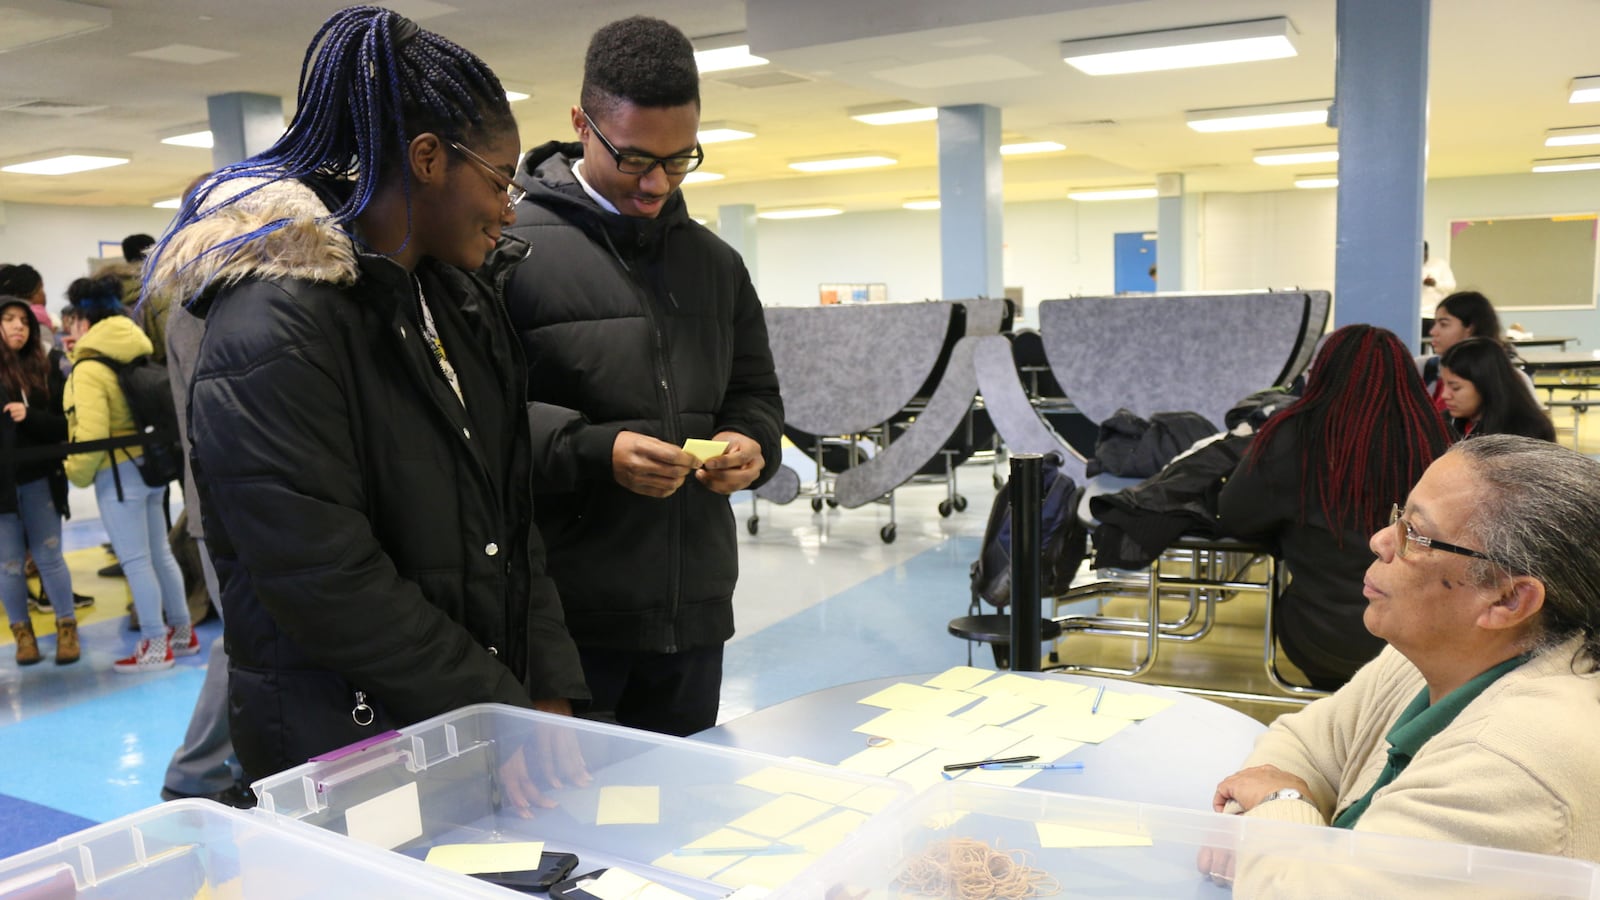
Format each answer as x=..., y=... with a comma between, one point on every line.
x=1284, y=794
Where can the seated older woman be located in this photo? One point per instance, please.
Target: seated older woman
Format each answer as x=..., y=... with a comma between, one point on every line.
x=1477, y=724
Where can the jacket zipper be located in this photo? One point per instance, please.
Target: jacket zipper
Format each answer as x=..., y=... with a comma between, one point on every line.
x=362, y=714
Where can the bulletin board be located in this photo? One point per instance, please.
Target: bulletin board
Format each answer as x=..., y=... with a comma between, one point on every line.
x=876, y=292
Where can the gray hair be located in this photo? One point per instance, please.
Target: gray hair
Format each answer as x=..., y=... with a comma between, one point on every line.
x=1539, y=516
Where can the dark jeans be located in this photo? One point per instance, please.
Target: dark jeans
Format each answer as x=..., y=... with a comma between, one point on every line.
x=668, y=693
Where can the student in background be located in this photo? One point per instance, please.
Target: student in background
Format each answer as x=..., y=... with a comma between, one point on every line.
x=1321, y=476
x=33, y=495
x=1484, y=393
x=1438, y=282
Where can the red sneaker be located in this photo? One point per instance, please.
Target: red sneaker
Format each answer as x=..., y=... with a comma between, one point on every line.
x=151, y=655
x=183, y=640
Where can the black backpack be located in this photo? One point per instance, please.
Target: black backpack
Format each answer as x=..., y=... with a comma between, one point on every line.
x=1063, y=536
x=148, y=390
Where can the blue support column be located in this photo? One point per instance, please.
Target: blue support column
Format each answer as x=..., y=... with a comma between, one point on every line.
x=1380, y=110
x=736, y=225
x=1169, y=232
x=970, y=202
x=242, y=125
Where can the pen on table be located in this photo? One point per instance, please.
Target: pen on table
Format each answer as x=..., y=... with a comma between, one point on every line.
x=1098, y=696
x=738, y=851
x=1071, y=766
x=955, y=767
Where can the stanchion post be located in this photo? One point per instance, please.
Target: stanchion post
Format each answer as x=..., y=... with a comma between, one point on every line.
x=1027, y=491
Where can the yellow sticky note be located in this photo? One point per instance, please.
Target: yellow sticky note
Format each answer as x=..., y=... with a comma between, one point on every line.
x=775, y=780
x=1072, y=724
x=629, y=805
x=873, y=799
x=917, y=698
x=1132, y=706
x=780, y=815
x=470, y=859
x=620, y=884
x=768, y=870
x=1048, y=749
x=701, y=867
x=959, y=678
x=917, y=727
x=1008, y=683
x=1055, y=834
x=704, y=450
x=998, y=710
x=884, y=759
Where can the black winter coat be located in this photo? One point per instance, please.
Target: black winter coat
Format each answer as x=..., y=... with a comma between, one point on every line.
x=374, y=538
x=644, y=325
x=45, y=425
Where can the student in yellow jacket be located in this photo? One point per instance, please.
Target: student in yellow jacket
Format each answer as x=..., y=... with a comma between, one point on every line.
x=130, y=510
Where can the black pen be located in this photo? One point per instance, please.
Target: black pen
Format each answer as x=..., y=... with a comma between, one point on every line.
x=955, y=767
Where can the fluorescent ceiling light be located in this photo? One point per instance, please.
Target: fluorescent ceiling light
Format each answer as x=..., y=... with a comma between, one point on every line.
x=720, y=52
x=699, y=176
x=201, y=139
x=1567, y=164
x=1125, y=193
x=897, y=113
x=1585, y=90
x=1312, y=182
x=1295, y=156
x=173, y=203
x=1250, y=118
x=1023, y=148
x=1572, y=137
x=516, y=96
x=65, y=164
x=839, y=163
x=720, y=131
x=920, y=205
x=1181, y=48
x=816, y=212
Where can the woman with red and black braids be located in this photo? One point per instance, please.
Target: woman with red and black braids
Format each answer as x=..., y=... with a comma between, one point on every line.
x=1320, y=477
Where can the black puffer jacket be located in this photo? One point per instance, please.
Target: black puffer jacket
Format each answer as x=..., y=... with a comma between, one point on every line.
x=645, y=325
x=374, y=539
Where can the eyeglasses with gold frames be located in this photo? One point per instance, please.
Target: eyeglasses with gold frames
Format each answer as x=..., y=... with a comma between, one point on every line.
x=514, y=191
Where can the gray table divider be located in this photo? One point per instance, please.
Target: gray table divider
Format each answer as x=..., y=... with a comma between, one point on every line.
x=1020, y=426
x=1319, y=305
x=1201, y=353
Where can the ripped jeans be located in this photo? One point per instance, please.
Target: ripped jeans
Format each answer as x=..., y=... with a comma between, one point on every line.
x=35, y=527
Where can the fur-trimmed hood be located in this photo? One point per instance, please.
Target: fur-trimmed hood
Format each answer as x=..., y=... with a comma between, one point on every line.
x=310, y=246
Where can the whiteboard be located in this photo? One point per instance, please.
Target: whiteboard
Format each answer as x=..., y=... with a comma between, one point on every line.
x=1527, y=262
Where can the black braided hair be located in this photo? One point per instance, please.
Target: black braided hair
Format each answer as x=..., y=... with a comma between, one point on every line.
x=371, y=80
x=639, y=60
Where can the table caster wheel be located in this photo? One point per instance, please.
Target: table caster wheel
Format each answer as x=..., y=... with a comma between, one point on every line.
x=887, y=533
x=944, y=508
x=753, y=524
x=816, y=504
x=961, y=503
x=832, y=503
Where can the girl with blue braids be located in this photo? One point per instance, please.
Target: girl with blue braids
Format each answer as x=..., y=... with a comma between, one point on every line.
x=360, y=435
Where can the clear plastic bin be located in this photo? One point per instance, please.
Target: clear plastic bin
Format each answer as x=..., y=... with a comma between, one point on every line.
x=199, y=849
x=929, y=847
x=444, y=781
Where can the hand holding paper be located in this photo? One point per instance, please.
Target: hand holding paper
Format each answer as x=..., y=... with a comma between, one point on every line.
x=735, y=469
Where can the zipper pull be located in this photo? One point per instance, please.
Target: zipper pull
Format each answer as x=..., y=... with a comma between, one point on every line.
x=362, y=714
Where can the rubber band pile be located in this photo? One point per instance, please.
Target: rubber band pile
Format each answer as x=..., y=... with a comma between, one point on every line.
x=968, y=869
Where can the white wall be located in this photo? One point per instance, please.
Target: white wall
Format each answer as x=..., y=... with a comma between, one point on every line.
x=1271, y=239
x=59, y=240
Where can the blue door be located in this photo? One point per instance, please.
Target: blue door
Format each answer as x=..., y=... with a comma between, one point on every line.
x=1135, y=256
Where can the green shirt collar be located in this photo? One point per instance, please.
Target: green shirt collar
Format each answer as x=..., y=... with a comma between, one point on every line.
x=1421, y=721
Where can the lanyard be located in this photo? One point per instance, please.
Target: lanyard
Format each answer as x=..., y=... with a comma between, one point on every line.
x=430, y=333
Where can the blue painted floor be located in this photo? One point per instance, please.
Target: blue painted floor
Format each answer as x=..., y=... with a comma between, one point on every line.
x=821, y=601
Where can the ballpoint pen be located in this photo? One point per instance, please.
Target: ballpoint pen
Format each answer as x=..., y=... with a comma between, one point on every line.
x=1098, y=696
x=1071, y=766
x=739, y=851
x=956, y=767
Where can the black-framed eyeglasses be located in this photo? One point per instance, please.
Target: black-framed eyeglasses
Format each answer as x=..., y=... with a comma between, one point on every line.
x=643, y=163
x=1407, y=536
x=514, y=191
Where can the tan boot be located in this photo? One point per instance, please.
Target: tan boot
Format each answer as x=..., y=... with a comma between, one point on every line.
x=66, y=641
x=27, y=646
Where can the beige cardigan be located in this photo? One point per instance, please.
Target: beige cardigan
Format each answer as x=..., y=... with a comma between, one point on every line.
x=1518, y=769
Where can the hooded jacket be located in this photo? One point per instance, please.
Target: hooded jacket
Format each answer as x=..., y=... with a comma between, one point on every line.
x=44, y=425
x=644, y=325
x=95, y=405
x=373, y=536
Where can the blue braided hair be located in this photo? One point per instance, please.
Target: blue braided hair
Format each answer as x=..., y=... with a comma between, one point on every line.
x=371, y=80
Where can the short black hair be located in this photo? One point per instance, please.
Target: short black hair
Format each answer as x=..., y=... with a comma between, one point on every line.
x=640, y=60
x=135, y=245
x=20, y=280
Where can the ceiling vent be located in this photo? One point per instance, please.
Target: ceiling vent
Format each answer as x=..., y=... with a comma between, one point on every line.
x=49, y=108
x=753, y=80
